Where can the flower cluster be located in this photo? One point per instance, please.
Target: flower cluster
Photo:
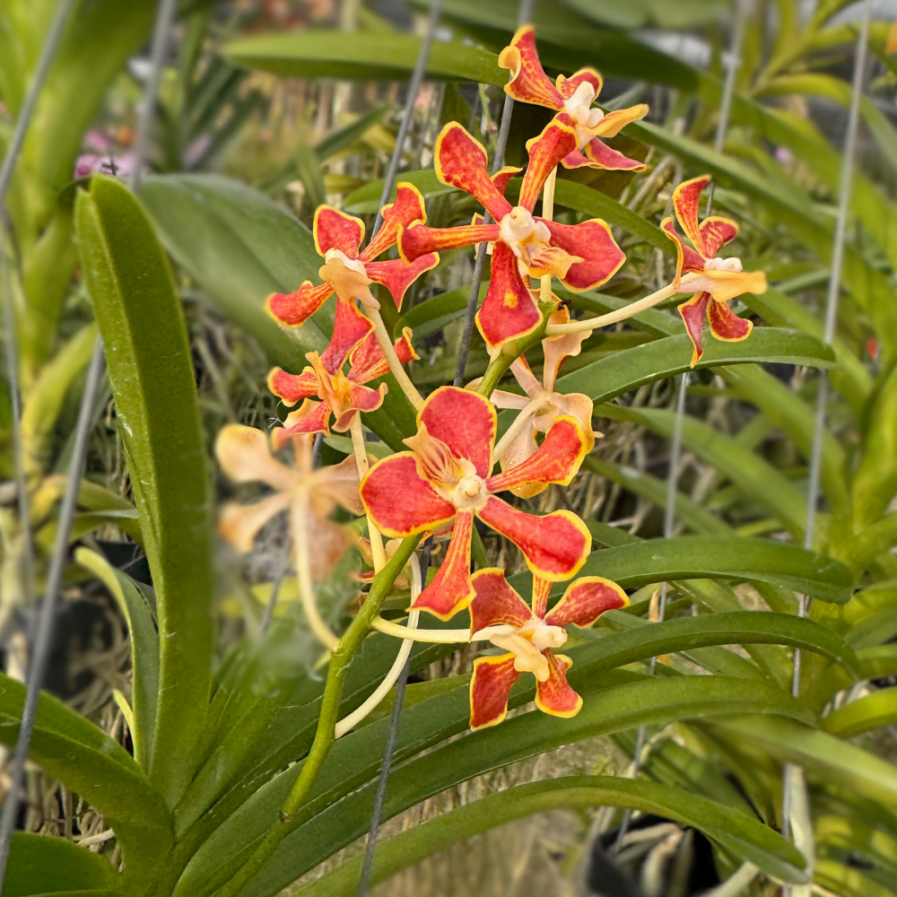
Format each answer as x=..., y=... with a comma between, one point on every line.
x=446, y=480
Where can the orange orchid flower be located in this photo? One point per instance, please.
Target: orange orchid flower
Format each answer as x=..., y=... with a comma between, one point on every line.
x=446, y=477
x=573, y=96
x=583, y=256
x=338, y=238
x=341, y=395
x=720, y=279
x=530, y=634
x=310, y=495
x=541, y=406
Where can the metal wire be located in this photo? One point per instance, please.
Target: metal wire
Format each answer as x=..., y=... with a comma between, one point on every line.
x=42, y=642
x=524, y=14
x=845, y=190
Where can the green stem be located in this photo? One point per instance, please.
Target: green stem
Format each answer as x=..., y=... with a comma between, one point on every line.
x=500, y=365
x=324, y=734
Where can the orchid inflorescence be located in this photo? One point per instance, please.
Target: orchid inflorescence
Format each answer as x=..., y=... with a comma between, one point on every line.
x=445, y=481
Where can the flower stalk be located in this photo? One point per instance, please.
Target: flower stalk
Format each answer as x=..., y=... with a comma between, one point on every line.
x=361, y=459
x=395, y=366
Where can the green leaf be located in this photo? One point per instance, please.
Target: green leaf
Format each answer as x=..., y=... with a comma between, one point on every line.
x=321, y=53
x=739, y=834
x=366, y=200
x=151, y=373
x=308, y=167
x=848, y=881
x=740, y=559
x=89, y=763
x=42, y=864
x=872, y=712
x=144, y=649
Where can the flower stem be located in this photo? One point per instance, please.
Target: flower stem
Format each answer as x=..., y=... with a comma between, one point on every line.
x=318, y=626
x=547, y=215
x=361, y=460
x=395, y=366
x=435, y=636
x=510, y=353
x=286, y=821
x=519, y=423
x=621, y=314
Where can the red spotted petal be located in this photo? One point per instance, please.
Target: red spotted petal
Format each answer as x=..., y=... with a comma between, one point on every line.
x=292, y=388
x=555, y=546
x=296, y=308
x=451, y=589
x=399, y=501
x=529, y=83
x=369, y=362
x=546, y=151
x=309, y=417
x=460, y=161
x=687, y=259
x=693, y=313
x=600, y=155
x=615, y=121
x=716, y=232
x=686, y=202
x=501, y=178
x=509, y=309
x=593, y=242
x=567, y=86
x=357, y=398
x=726, y=325
x=554, y=695
x=465, y=421
x=495, y=602
x=585, y=600
x=350, y=327
x=577, y=160
x=397, y=275
x=334, y=229
x=493, y=679
x=419, y=240
x=408, y=208
x=557, y=460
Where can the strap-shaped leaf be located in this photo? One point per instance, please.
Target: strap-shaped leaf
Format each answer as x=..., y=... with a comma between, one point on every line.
x=151, y=373
x=91, y=764
x=739, y=834
x=872, y=712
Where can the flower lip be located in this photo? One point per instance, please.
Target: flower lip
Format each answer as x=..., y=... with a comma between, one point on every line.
x=337, y=255
x=519, y=229
x=718, y=264
x=586, y=119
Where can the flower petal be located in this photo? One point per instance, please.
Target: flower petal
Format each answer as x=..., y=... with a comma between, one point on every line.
x=491, y=684
x=585, y=600
x=465, y=421
x=451, y=589
x=502, y=399
x=244, y=454
x=546, y=151
x=294, y=309
x=292, y=388
x=460, y=161
x=567, y=86
x=693, y=313
x=599, y=155
x=350, y=327
x=339, y=482
x=369, y=362
x=397, y=274
x=420, y=240
x=334, y=229
x=555, y=546
x=529, y=83
x=358, y=398
x=593, y=243
x=726, y=325
x=399, y=501
x=615, y=121
x=555, y=696
x=328, y=542
x=716, y=232
x=501, y=177
x=726, y=285
x=522, y=447
x=686, y=201
x=576, y=159
x=309, y=417
x=557, y=460
x=687, y=260
x=509, y=309
x=240, y=524
x=408, y=208
x=556, y=349
x=495, y=602
x=524, y=375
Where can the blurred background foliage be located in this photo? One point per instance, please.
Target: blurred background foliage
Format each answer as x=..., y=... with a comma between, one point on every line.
x=269, y=108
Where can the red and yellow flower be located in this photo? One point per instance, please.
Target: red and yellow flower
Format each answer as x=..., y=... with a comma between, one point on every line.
x=573, y=96
x=582, y=256
x=350, y=273
x=310, y=494
x=341, y=395
x=719, y=279
x=446, y=476
x=530, y=635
